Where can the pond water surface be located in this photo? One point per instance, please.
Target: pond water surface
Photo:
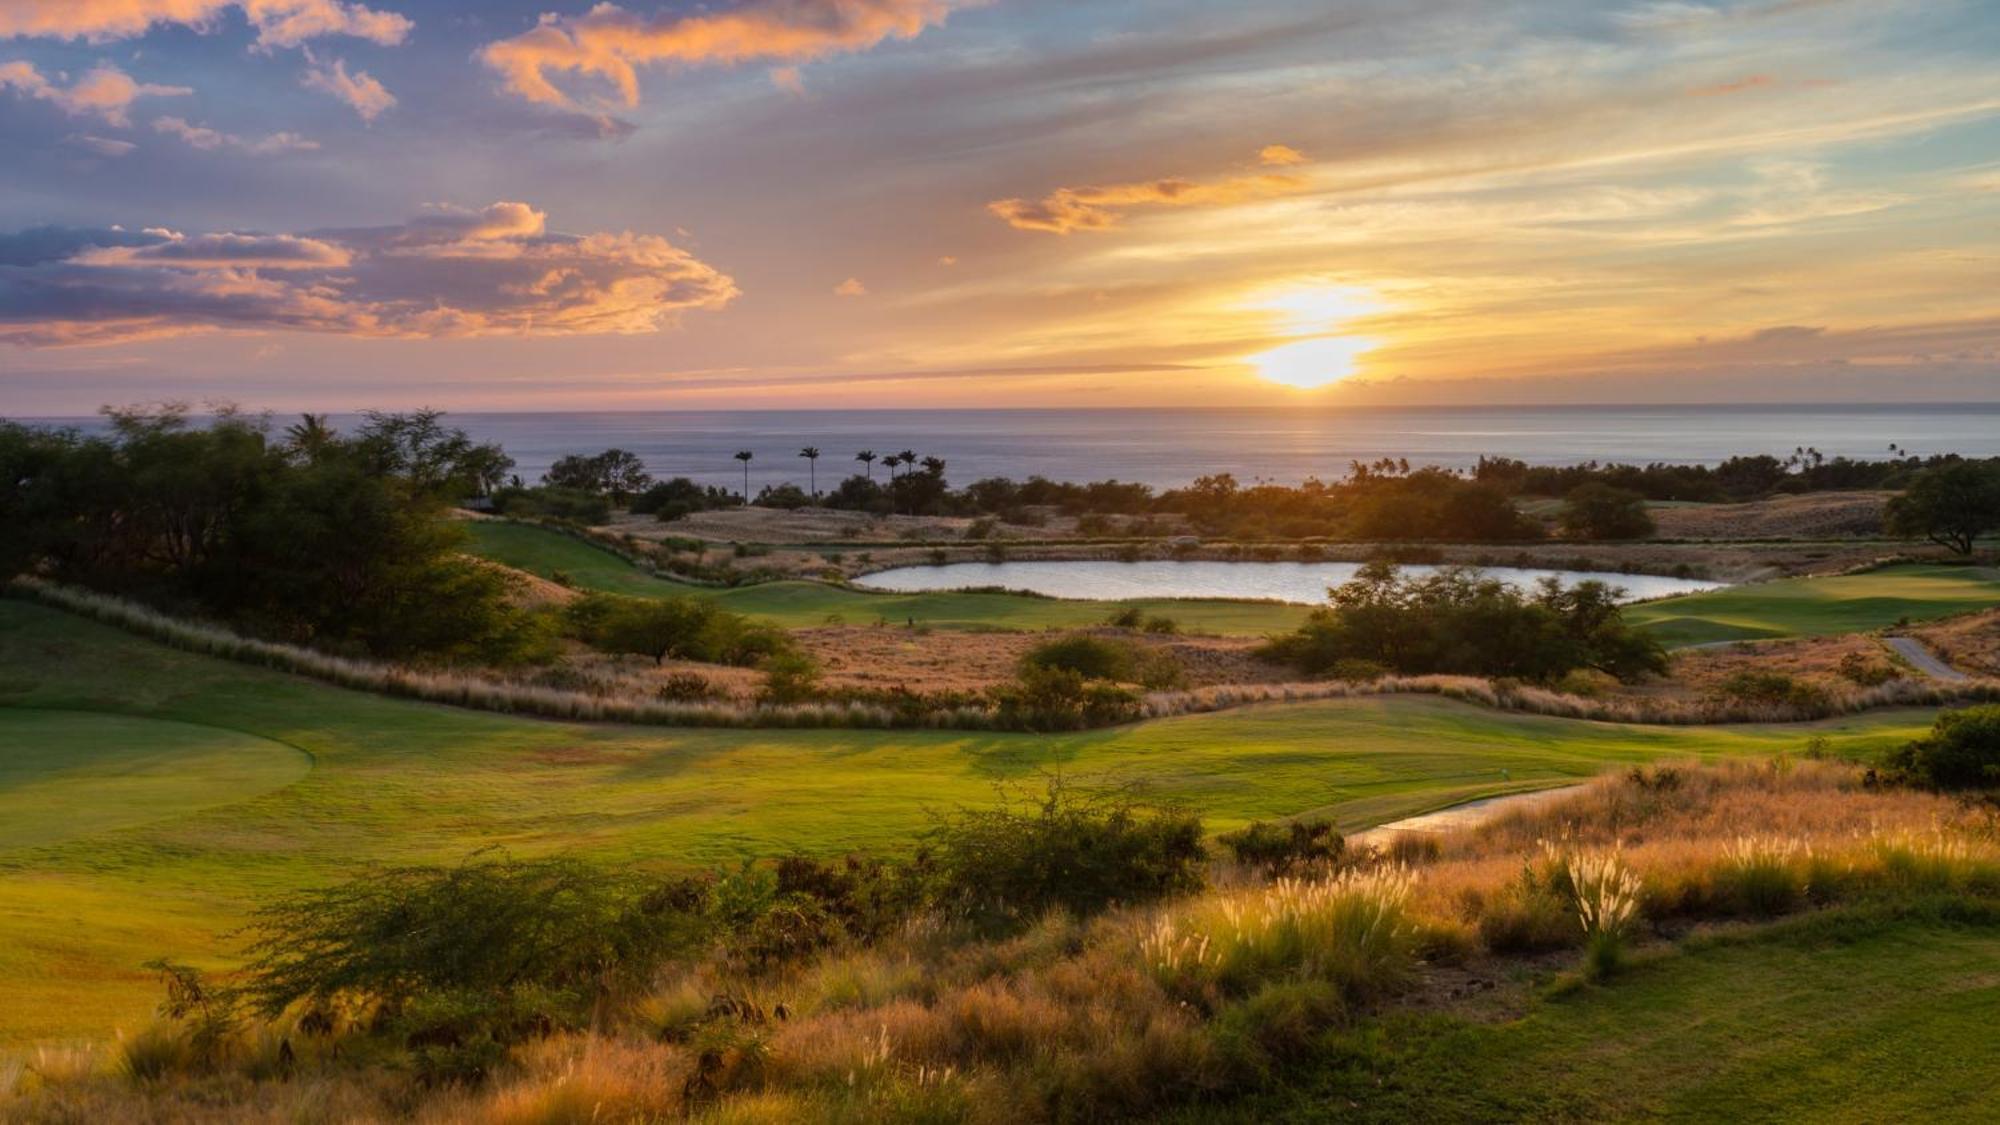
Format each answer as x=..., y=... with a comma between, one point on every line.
x=1302, y=582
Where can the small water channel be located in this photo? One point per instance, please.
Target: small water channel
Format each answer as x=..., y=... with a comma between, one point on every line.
x=1302, y=582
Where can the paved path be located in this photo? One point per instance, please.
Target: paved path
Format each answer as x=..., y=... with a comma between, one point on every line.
x=1926, y=661
x=1467, y=815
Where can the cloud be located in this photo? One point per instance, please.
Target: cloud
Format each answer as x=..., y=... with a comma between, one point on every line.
x=102, y=146
x=1278, y=156
x=610, y=43
x=360, y=89
x=852, y=287
x=449, y=272
x=209, y=140
x=279, y=23
x=105, y=92
x=948, y=261
x=1100, y=206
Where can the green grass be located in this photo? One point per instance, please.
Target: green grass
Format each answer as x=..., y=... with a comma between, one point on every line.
x=806, y=604
x=1843, y=1018
x=1856, y=603
x=396, y=781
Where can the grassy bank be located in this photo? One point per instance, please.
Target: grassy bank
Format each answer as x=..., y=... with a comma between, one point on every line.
x=83, y=900
x=1832, y=1019
x=1854, y=603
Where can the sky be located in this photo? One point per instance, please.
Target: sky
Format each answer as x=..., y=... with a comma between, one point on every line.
x=566, y=205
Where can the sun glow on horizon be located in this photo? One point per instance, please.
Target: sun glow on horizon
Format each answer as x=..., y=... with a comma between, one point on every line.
x=1320, y=356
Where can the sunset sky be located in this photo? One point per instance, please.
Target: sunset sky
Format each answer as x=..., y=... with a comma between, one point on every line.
x=545, y=204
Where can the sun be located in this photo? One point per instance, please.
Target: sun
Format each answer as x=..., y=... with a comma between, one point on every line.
x=1312, y=363
x=1321, y=355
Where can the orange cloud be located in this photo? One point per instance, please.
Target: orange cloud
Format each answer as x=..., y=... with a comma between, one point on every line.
x=610, y=43
x=360, y=89
x=1100, y=206
x=448, y=272
x=105, y=92
x=852, y=287
x=1280, y=155
x=279, y=23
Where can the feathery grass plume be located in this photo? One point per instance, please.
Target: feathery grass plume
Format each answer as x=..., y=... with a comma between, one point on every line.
x=1353, y=929
x=1605, y=894
x=1764, y=875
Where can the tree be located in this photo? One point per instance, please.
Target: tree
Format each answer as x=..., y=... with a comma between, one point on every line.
x=310, y=436
x=745, y=456
x=614, y=473
x=867, y=459
x=811, y=454
x=1950, y=505
x=1599, y=511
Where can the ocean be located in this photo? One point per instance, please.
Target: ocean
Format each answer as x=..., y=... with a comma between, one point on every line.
x=1168, y=448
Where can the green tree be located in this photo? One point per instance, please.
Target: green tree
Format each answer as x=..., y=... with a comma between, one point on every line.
x=1951, y=505
x=1599, y=511
x=867, y=459
x=746, y=456
x=811, y=454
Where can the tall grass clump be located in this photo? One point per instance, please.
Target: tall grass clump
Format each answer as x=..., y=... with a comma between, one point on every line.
x=1353, y=930
x=1606, y=893
x=1763, y=876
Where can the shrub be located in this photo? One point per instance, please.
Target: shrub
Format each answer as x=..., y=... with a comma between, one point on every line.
x=1859, y=669
x=1126, y=617
x=1600, y=511
x=1004, y=867
x=461, y=960
x=685, y=687
x=1280, y=848
x=685, y=628
x=1104, y=658
x=790, y=677
x=1773, y=688
x=1059, y=699
x=1162, y=625
x=1762, y=877
x=1961, y=752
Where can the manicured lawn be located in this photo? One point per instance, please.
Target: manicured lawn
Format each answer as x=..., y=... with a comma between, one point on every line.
x=395, y=781
x=803, y=604
x=1830, y=1019
x=1854, y=603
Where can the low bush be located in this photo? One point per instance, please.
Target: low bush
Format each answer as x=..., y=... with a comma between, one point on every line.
x=1961, y=752
x=1282, y=848
x=1004, y=867
x=462, y=960
x=686, y=628
x=1061, y=699
x=790, y=677
x=1774, y=689
x=1106, y=658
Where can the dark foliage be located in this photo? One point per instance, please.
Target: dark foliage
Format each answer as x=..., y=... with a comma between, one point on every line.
x=1003, y=868
x=1951, y=505
x=1961, y=752
x=1600, y=511
x=1279, y=848
x=1456, y=621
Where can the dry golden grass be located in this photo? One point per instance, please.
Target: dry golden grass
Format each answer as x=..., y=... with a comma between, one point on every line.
x=1970, y=643
x=1140, y=1010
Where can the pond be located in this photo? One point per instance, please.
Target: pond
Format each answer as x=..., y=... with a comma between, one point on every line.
x=1302, y=582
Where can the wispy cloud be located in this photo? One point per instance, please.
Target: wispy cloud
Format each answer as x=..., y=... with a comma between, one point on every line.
x=210, y=140
x=1100, y=206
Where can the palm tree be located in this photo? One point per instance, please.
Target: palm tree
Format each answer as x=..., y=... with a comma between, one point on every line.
x=867, y=459
x=934, y=466
x=890, y=462
x=811, y=454
x=310, y=435
x=744, y=456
